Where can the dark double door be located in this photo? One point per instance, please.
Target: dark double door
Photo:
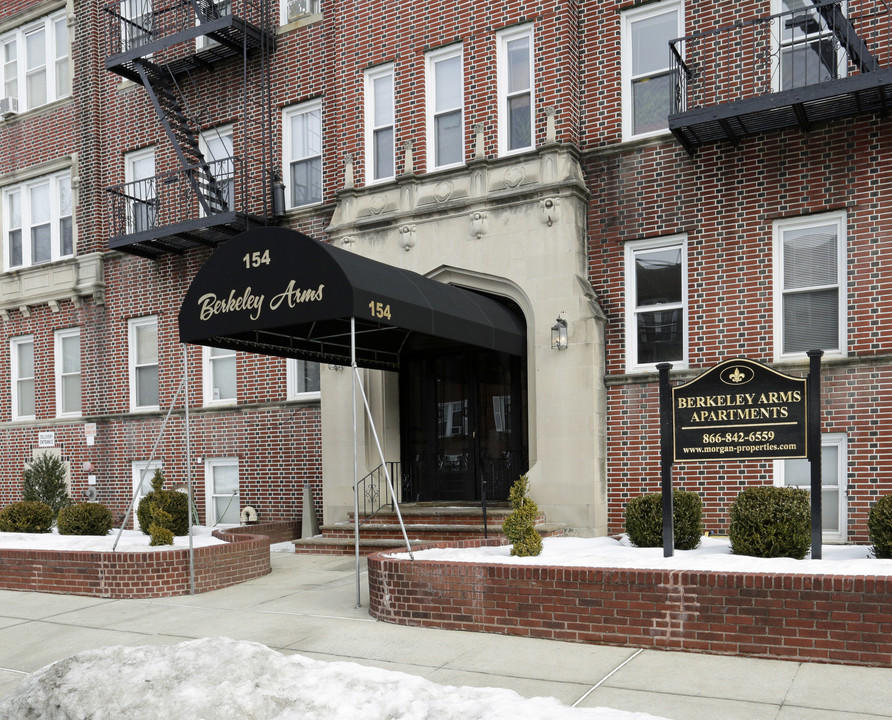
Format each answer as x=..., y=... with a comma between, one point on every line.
x=463, y=425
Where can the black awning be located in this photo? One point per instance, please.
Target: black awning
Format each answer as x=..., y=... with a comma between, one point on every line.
x=278, y=292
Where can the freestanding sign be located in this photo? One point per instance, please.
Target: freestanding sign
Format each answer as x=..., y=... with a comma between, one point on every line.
x=741, y=410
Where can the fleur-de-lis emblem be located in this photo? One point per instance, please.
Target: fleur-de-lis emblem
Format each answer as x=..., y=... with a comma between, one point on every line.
x=737, y=376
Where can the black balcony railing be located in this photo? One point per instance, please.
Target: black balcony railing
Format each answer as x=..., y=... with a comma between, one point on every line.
x=798, y=67
x=200, y=205
x=173, y=33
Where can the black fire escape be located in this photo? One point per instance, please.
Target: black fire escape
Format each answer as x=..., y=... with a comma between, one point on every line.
x=824, y=60
x=171, y=48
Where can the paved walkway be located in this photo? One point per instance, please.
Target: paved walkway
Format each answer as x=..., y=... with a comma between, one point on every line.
x=307, y=605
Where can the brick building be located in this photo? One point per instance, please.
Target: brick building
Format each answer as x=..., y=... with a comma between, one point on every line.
x=723, y=196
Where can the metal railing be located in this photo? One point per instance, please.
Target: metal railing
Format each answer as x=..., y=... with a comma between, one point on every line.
x=374, y=493
x=170, y=198
x=792, y=49
x=131, y=24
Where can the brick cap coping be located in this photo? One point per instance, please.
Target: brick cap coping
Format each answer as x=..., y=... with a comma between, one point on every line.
x=159, y=573
x=816, y=618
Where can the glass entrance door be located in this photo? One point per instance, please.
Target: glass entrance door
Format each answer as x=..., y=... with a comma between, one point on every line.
x=463, y=425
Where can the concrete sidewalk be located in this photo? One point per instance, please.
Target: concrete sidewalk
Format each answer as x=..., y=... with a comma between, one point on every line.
x=307, y=605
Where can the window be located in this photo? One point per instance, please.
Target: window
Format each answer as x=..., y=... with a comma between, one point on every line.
x=797, y=473
x=810, y=298
x=656, y=302
x=219, y=376
x=216, y=147
x=515, y=87
x=303, y=153
x=142, y=471
x=139, y=173
x=144, y=363
x=647, y=82
x=36, y=62
x=37, y=222
x=221, y=489
x=379, y=113
x=218, y=9
x=302, y=379
x=445, y=88
x=68, y=372
x=806, y=50
x=295, y=9
x=137, y=23
x=22, y=373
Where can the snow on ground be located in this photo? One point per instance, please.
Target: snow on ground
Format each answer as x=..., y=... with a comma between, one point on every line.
x=211, y=679
x=714, y=553
x=130, y=541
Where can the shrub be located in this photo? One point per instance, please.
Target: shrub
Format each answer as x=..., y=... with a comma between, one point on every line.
x=879, y=525
x=520, y=526
x=167, y=508
x=44, y=481
x=27, y=516
x=644, y=520
x=84, y=519
x=769, y=521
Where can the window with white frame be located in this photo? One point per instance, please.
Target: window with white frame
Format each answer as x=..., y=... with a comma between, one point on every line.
x=379, y=124
x=445, y=102
x=216, y=147
x=143, y=351
x=22, y=374
x=215, y=9
x=809, y=285
x=293, y=10
x=302, y=379
x=514, y=70
x=219, y=375
x=646, y=77
x=68, y=372
x=303, y=153
x=656, y=302
x=222, y=491
x=142, y=472
x=36, y=62
x=806, y=50
x=834, y=463
x=37, y=221
x=139, y=174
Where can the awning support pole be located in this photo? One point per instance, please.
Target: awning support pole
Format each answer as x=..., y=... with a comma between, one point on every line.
x=189, y=469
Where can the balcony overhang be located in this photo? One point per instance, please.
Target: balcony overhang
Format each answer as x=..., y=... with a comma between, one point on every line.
x=802, y=107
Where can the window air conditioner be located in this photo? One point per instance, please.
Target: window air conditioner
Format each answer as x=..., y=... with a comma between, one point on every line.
x=299, y=8
x=9, y=106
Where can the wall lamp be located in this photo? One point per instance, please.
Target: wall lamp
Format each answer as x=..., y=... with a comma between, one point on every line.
x=559, y=334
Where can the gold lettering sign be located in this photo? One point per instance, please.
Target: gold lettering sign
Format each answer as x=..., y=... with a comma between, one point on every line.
x=210, y=304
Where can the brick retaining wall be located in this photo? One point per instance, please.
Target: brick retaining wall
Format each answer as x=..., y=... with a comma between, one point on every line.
x=820, y=618
x=158, y=573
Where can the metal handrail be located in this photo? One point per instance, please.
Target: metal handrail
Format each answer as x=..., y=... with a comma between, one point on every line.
x=374, y=492
x=791, y=49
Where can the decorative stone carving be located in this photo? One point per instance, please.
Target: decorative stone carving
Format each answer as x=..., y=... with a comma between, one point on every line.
x=443, y=191
x=549, y=210
x=408, y=161
x=478, y=223
x=550, y=132
x=348, y=170
x=377, y=203
x=347, y=242
x=407, y=236
x=514, y=176
x=478, y=140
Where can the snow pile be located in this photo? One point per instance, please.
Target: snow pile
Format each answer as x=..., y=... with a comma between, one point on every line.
x=714, y=554
x=130, y=541
x=211, y=679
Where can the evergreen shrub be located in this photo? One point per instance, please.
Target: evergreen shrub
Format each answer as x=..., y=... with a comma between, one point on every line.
x=879, y=525
x=166, y=508
x=768, y=521
x=27, y=516
x=84, y=519
x=520, y=526
x=44, y=481
x=644, y=520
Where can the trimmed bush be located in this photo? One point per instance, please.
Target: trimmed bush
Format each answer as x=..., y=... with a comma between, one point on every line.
x=166, y=508
x=879, y=525
x=27, y=516
x=769, y=521
x=44, y=481
x=520, y=526
x=644, y=520
x=84, y=519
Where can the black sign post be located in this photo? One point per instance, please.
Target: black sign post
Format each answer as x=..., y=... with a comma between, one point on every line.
x=741, y=410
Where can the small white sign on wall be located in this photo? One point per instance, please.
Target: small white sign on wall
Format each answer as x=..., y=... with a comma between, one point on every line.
x=46, y=439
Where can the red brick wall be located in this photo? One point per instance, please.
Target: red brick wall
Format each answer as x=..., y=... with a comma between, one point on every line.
x=158, y=573
x=818, y=618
